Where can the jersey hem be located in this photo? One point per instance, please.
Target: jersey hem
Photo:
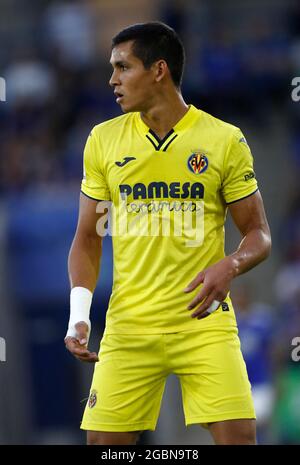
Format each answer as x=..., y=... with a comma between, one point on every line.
x=212, y=327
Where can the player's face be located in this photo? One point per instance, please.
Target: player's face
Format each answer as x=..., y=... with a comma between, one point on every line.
x=133, y=84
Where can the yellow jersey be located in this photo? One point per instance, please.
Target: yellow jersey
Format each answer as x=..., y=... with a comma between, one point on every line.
x=168, y=202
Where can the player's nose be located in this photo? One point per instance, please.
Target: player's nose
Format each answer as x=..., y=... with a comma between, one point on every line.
x=114, y=80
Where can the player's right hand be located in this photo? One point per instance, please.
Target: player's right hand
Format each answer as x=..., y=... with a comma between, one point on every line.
x=78, y=345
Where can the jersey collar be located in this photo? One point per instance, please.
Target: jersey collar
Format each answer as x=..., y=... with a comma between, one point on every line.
x=181, y=125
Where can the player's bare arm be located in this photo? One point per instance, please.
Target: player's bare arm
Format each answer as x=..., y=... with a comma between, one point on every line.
x=83, y=266
x=249, y=216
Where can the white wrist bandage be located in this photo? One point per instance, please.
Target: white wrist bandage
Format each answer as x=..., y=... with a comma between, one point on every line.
x=80, y=304
x=213, y=307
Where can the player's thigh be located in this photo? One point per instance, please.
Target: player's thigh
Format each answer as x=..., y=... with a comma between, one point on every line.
x=214, y=379
x=234, y=432
x=127, y=385
x=108, y=438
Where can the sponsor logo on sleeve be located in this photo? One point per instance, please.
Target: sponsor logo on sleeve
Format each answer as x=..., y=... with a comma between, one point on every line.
x=243, y=140
x=249, y=176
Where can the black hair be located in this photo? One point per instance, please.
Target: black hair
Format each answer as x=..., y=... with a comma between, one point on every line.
x=154, y=41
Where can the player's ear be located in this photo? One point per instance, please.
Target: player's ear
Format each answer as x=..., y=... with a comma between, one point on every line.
x=161, y=69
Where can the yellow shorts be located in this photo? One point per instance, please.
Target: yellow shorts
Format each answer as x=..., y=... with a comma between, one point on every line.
x=130, y=377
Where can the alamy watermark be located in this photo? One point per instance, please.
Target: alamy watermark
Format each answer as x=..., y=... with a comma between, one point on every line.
x=296, y=91
x=2, y=350
x=2, y=90
x=295, y=354
x=176, y=218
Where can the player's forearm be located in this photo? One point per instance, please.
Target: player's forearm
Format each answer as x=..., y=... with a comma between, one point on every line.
x=253, y=249
x=84, y=262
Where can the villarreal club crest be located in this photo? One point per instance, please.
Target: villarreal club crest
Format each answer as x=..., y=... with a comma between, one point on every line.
x=92, y=399
x=197, y=162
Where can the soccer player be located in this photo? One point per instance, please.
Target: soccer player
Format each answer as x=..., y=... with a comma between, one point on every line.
x=170, y=172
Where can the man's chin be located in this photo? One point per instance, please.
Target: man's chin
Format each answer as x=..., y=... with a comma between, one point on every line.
x=125, y=109
x=128, y=108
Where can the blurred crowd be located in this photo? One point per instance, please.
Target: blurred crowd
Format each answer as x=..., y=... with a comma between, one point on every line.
x=240, y=63
x=55, y=93
x=57, y=80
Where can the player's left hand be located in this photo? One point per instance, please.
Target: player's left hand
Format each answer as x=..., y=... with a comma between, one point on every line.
x=216, y=282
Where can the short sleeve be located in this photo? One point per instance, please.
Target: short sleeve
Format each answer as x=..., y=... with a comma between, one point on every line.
x=93, y=183
x=238, y=173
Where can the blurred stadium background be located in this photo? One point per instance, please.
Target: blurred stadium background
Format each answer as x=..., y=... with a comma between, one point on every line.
x=241, y=58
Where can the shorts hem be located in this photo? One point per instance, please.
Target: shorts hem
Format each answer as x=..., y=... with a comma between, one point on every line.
x=117, y=428
x=220, y=417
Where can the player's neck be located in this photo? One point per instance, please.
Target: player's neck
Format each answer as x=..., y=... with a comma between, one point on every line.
x=164, y=115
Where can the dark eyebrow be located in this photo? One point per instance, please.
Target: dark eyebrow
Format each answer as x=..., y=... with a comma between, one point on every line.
x=119, y=63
